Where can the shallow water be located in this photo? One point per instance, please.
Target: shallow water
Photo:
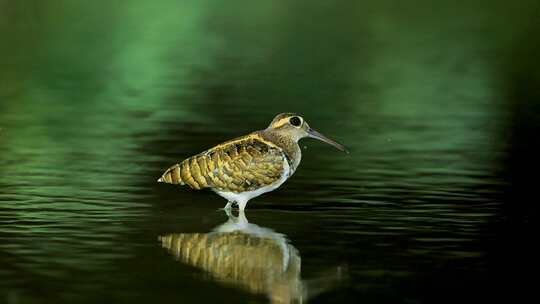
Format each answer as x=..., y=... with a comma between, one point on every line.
x=96, y=100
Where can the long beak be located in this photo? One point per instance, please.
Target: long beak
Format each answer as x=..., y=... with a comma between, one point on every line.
x=314, y=134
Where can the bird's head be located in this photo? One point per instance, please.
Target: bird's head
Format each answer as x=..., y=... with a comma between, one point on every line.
x=294, y=126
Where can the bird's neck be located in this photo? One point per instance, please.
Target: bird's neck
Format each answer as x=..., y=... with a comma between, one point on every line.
x=288, y=144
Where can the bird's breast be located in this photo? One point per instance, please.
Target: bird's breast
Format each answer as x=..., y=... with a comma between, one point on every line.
x=247, y=195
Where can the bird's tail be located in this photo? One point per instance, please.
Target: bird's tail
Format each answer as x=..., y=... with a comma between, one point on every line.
x=172, y=176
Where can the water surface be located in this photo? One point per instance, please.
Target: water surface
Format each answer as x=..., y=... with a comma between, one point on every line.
x=435, y=103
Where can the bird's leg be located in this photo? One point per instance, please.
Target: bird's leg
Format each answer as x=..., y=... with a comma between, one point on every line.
x=242, y=217
x=228, y=209
x=228, y=206
x=239, y=220
x=242, y=205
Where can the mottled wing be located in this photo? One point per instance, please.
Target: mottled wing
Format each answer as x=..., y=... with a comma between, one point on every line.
x=239, y=165
x=246, y=260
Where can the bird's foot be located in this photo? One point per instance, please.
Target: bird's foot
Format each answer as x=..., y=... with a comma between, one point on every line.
x=228, y=208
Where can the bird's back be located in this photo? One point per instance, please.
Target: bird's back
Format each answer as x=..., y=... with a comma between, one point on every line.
x=242, y=164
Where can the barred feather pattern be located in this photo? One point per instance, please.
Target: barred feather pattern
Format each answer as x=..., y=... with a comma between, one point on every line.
x=243, y=164
x=257, y=264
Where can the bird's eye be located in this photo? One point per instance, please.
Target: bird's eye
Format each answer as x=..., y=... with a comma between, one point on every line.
x=295, y=121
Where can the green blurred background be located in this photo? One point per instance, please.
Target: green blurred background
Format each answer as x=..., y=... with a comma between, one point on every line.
x=438, y=102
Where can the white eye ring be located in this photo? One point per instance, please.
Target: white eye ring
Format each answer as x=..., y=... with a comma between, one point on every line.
x=295, y=121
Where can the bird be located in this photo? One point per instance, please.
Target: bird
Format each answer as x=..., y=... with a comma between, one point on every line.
x=248, y=166
x=252, y=258
x=243, y=255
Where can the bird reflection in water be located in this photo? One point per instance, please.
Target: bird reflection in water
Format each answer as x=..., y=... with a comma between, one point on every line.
x=250, y=257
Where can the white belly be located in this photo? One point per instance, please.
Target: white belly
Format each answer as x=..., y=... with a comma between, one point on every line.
x=243, y=197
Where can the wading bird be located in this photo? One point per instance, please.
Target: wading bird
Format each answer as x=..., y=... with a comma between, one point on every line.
x=248, y=166
x=253, y=258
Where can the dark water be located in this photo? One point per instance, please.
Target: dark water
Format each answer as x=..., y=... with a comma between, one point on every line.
x=438, y=104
